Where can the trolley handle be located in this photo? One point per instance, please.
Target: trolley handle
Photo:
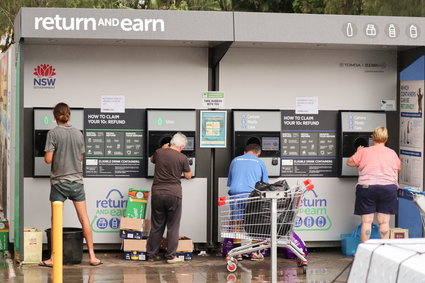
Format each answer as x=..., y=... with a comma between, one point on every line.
x=222, y=201
x=412, y=191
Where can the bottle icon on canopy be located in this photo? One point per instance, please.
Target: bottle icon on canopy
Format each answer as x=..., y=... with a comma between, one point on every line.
x=413, y=31
x=392, y=31
x=350, y=31
x=371, y=30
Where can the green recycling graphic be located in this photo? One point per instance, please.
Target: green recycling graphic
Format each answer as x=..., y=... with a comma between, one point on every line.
x=108, y=212
x=312, y=213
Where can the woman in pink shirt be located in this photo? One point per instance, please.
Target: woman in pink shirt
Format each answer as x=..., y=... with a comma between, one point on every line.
x=376, y=190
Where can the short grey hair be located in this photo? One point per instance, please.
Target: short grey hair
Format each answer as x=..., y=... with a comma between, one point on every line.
x=179, y=140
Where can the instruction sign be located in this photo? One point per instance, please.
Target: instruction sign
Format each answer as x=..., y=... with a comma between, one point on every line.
x=114, y=143
x=213, y=129
x=309, y=144
x=213, y=100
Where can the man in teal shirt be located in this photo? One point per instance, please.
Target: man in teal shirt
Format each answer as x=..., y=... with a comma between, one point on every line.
x=246, y=170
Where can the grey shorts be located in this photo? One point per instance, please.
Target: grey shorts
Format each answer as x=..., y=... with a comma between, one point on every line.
x=62, y=191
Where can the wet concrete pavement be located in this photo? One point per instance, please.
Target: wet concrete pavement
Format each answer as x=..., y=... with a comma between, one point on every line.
x=324, y=266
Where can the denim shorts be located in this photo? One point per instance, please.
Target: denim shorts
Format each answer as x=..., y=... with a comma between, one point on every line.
x=62, y=191
x=237, y=207
x=376, y=198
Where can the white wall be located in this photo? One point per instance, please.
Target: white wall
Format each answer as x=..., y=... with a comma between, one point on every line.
x=157, y=77
x=272, y=78
x=37, y=205
x=148, y=77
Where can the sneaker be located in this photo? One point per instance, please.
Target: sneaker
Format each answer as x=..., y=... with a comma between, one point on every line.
x=238, y=257
x=154, y=259
x=175, y=260
x=257, y=256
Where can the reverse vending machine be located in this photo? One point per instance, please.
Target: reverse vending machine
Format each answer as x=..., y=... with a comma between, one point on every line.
x=163, y=124
x=262, y=128
x=43, y=122
x=356, y=130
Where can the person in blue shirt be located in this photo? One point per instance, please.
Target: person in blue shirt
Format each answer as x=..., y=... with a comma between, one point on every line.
x=244, y=172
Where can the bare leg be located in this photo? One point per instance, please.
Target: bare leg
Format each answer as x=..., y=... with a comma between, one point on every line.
x=366, y=230
x=81, y=208
x=50, y=260
x=384, y=225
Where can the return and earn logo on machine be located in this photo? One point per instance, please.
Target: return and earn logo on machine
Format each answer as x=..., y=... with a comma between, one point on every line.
x=313, y=215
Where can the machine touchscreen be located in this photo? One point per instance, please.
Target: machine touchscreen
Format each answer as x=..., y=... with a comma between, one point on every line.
x=270, y=143
x=190, y=144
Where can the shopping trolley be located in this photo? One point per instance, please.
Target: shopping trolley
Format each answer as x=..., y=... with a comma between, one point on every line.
x=419, y=200
x=266, y=220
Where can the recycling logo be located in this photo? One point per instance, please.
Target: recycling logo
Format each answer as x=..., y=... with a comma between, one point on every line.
x=312, y=213
x=108, y=212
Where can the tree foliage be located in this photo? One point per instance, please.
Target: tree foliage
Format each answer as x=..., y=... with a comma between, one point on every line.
x=410, y=8
x=10, y=8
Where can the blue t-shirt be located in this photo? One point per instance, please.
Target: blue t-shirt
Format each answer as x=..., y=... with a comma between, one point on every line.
x=244, y=172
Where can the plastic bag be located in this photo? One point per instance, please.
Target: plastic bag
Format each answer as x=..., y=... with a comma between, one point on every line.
x=227, y=246
x=258, y=212
x=299, y=243
x=281, y=185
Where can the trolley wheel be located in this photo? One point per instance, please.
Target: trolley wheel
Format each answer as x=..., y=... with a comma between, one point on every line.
x=303, y=265
x=231, y=259
x=231, y=266
x=231, y=278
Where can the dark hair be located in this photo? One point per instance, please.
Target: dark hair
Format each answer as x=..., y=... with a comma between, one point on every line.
x=253, y=147
x=62, y=112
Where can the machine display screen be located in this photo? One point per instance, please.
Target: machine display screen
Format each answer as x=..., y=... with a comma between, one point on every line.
x=270, y=143
x=190, y=144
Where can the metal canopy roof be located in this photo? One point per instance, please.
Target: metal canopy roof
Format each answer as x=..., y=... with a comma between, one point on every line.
x=208, y=29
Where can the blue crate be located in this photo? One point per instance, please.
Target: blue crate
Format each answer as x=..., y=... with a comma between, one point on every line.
x=349, y=244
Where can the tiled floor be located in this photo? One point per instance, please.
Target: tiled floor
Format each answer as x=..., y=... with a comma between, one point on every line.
x=324, y=266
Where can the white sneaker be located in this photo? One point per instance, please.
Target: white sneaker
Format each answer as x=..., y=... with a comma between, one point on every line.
x=257, y=256
x=175, y=260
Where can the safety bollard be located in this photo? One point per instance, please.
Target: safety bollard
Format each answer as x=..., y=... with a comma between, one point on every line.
x=57, y=242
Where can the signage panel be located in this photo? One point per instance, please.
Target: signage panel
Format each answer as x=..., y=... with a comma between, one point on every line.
x=309, y=144
x=114, y=143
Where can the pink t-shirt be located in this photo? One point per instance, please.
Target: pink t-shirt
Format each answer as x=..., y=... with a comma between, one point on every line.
x=378, y=165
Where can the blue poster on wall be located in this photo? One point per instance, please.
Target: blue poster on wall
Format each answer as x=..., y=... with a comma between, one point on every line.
x=411, y=143
x=213, y=129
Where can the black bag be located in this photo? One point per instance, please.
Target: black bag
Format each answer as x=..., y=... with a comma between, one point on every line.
x=257, y=220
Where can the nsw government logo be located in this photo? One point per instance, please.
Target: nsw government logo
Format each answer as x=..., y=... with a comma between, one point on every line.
x=44, y=76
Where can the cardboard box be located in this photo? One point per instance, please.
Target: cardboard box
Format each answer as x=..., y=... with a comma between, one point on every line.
x=136, y=207
x=33, y=245
x=133, y=228
x=134, y=249
x=139, y=194
x=185, y=256
x=135, y=255
x=134, y=245
x=399, y=233
x=185, y=245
